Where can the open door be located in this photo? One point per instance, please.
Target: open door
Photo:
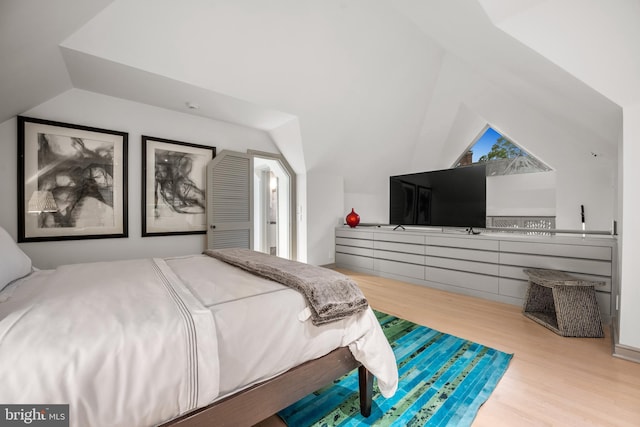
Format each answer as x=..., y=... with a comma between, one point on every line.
x=230, y=201
x=273, y=215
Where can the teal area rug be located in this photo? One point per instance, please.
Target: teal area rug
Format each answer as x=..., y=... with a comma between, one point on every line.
x=443, y=382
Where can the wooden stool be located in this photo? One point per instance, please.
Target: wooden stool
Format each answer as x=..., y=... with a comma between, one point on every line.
x=563, y=303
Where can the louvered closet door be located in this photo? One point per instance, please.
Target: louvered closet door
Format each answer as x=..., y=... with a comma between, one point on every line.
x=230, y=201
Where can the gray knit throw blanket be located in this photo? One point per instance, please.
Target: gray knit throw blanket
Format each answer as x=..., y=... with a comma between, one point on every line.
x=330, y=295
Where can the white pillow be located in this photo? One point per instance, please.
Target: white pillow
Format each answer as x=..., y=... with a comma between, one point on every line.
x=14, y=263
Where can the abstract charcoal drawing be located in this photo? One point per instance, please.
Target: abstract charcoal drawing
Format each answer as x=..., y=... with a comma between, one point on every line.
x=72, y=181
x=174, y=186
x=79, y=174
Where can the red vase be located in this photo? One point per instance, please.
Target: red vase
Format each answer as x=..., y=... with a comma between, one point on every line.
x=353, y=219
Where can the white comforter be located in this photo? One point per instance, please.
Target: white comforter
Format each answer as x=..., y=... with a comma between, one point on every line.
x=135, y=343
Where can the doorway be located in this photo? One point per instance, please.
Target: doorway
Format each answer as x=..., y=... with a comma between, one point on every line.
x=273, y=203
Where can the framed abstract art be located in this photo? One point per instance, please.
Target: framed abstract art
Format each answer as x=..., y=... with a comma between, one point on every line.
x=72, y=181
x=174, y=186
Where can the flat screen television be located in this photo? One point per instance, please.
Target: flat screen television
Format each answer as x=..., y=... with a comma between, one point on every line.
x=443, y=198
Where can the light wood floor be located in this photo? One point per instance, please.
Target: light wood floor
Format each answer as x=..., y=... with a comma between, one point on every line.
x=551, y=380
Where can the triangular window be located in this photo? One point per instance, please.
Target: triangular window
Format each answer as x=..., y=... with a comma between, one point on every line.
x=501, y=155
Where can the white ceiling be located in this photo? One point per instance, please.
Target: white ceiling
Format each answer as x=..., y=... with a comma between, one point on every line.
x=506, y=62
x=32, y=69
x=360, y=78
x=100, y=75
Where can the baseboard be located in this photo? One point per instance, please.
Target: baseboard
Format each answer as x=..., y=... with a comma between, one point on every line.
x=622, y=351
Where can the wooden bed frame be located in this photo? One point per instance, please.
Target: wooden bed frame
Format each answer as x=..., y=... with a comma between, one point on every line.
x=254, y=404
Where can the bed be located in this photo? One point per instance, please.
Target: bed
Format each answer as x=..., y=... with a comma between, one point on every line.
x=183, y=341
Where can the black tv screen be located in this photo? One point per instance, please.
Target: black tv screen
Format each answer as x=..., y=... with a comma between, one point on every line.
x=443, y=198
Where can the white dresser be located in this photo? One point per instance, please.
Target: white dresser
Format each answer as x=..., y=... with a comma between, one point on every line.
x=489, y=265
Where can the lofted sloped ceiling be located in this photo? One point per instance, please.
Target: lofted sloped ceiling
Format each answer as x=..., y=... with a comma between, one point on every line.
x=344, y=87
x=506, y=62
x=103, y=76
x=609, y=62
x=523, y=78
x=31, y=67
x=356, y=75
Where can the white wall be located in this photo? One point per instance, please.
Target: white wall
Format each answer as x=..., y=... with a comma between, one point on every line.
x=325, y=211
x=527, y=194
x=301, y=216
x=372, y=208
x=586, y=183
x=630, y=238
x=90, y=109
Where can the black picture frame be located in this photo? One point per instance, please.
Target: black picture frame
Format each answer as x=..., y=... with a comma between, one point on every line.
x=174, y=186
x=82, y=169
